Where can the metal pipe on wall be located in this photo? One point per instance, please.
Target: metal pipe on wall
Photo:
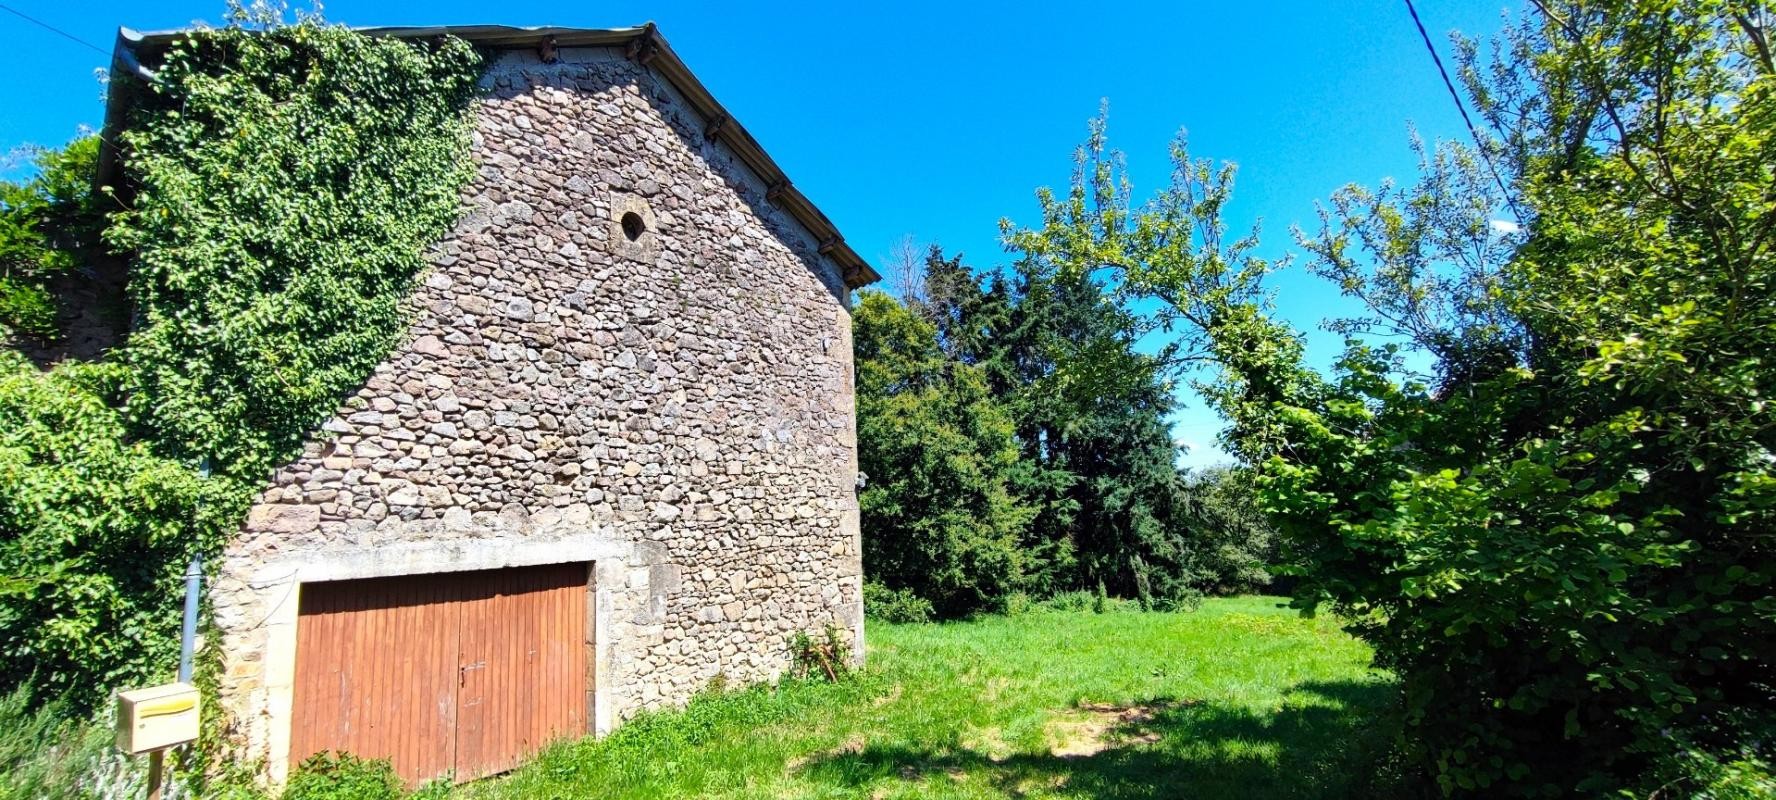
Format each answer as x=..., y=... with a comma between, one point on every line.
x=188, y=636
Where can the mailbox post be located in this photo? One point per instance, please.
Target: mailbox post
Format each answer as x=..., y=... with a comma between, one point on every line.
x=154, y=719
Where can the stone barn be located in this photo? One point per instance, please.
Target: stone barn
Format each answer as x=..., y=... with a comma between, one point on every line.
x=614, y=460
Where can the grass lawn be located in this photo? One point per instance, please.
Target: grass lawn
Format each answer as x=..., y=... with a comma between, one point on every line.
x=1237, y=699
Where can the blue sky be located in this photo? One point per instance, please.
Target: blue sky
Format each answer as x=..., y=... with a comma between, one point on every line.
x=935, y=120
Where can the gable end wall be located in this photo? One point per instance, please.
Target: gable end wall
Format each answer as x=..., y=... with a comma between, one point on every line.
x=677, y=410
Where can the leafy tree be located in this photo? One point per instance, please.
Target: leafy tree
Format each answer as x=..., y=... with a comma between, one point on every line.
x=1230, y=546
x=1092, y=409
x=937, y=452
x=1097, y=465
x=1559, y=533
x=45, y=224
x=1111, y=511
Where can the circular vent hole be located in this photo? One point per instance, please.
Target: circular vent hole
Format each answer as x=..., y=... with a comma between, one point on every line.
x=633, y=227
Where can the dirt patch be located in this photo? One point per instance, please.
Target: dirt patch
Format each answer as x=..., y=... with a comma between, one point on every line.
x=1093, y=728
x=892, y=695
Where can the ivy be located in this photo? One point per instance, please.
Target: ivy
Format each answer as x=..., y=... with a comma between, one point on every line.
x=283, y=183
x=287, y=185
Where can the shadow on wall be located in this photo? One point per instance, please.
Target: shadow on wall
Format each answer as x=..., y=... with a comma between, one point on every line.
x=1333, y=746
x=94, y=313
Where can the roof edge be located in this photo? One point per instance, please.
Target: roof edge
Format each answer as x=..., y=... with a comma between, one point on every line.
x=643, y=44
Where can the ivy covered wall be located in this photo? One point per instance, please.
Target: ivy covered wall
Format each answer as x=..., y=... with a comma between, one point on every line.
x=281, y=185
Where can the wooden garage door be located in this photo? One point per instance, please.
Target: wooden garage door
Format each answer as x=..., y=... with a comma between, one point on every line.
x=463, y=672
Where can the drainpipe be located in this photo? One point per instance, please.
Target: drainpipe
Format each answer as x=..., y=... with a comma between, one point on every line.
x=193, y=589
x=188, y=639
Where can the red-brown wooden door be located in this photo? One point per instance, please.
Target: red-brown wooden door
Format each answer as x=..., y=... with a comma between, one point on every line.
x=460, y=673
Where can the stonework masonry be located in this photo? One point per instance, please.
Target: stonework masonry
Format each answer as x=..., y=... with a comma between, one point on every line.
x=668, y=397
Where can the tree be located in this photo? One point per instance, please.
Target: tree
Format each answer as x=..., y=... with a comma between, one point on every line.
x=1091, y=407
x=1559, y=534
x=45, y=224
x=937, y=452
x=1231, y=546
x=1096, y=462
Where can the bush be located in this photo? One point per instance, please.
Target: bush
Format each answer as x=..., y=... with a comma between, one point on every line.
x=1017, y=603
x=26, y=307
x=1078, y=600
x=894, y=605
x=342, y=776
x=94, y=533
x=1710, y=776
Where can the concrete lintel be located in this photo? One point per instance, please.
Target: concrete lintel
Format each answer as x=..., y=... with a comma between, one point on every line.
x=451, y=555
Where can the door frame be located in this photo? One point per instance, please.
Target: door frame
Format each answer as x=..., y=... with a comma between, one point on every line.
x=279, y=586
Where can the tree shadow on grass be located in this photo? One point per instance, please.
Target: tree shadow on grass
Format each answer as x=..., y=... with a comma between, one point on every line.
x=1328, y=740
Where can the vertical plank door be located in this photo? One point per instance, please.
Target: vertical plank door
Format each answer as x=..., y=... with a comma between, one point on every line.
x=462, y=674
x=376, y=673
x=523, y=666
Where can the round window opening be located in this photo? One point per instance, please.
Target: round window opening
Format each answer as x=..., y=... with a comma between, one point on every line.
x=633, y=227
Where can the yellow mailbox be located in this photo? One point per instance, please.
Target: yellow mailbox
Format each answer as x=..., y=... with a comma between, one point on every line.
x=157, y=717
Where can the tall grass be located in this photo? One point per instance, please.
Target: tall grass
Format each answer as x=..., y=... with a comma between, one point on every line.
x=46, y=754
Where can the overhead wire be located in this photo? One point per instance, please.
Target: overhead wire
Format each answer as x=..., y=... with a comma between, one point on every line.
x=1485, y=154
x=53, y=29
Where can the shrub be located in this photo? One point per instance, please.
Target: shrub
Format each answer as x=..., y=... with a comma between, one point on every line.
x=47, y=754
x=1170, y=604
x=1077, y=600
x=27, y=307
x=894, y=605
x=1710, y=775
x=94, y=533
x=825, y=656
x=1017, y=603
x=342, y=776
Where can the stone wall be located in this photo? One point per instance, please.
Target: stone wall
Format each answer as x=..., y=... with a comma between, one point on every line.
x=672, y=402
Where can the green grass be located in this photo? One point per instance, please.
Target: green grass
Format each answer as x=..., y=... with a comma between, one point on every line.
x=1237, y=699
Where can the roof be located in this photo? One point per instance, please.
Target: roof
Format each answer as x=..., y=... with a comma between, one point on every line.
x=644, y=44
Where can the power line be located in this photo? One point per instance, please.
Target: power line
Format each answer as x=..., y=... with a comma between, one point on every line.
x=65, y=35
x=53, y=29
x=1463, y=108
